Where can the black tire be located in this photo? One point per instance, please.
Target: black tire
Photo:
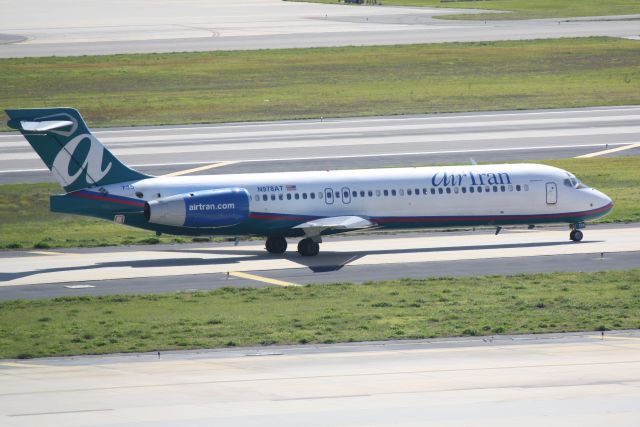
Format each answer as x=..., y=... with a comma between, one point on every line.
x=276, y=245
x=576, y=235
x=307, y=247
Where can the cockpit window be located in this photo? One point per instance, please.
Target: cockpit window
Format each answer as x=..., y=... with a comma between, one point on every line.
x=574, y=182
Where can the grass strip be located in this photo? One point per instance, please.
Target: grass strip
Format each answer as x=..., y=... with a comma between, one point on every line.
x=210, y=87
x=521, y=9
x=532, y=303
x=26, y=222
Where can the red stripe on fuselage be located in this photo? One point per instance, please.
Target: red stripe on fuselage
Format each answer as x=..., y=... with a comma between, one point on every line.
x=104, y=198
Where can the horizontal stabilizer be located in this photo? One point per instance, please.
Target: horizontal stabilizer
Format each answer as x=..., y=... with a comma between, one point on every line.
x=315, y=227
x=44, y=126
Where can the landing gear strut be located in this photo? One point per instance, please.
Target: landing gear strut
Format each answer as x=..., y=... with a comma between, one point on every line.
x=307, y=247
x=575, y=235
x=276, y=245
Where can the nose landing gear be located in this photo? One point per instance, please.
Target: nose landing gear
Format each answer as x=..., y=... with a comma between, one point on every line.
x=575, y=234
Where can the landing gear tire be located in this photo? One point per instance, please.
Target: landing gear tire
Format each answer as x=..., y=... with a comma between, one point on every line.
x=575, y=235
x=307, y=247
x=276, y=245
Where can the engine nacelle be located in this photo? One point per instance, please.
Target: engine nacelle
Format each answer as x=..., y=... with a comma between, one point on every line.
x=207, y=209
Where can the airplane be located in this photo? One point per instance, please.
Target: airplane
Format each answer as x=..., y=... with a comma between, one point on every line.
x=305, y=205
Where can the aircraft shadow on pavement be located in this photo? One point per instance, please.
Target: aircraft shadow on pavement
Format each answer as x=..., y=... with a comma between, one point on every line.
x=327, y=261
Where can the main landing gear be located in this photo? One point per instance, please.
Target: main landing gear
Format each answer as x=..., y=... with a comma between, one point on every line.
x=276, y=245
x=575, y=234
x=306, y=247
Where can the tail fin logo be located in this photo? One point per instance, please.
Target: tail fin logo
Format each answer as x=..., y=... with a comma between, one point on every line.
x=92, y=163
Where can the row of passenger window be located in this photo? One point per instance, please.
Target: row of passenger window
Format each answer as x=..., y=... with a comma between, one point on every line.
x=386, y=193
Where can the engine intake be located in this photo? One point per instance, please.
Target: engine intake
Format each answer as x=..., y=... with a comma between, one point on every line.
x=201, y=209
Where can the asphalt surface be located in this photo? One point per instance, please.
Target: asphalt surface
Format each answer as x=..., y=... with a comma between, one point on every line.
x=67, y=27
x=585, y=379
x=355, y=259
x=352, y=143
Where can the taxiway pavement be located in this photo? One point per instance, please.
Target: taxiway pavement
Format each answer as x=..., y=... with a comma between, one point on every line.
x=581, y=379
x=352, y=143
x=356, y=259
x=68, y=27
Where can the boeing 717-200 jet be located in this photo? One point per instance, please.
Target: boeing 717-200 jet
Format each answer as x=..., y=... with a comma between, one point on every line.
x=305, y=205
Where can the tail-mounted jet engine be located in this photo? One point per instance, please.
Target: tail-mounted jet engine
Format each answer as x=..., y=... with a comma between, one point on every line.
x=207, y=209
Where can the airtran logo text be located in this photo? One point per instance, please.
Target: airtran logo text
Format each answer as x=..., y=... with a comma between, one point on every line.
x=211, y=207
x=445, y=179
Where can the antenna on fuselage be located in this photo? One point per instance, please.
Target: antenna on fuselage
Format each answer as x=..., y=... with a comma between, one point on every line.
x=473, y=161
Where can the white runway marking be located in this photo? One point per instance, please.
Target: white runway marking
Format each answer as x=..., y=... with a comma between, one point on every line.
x=399, y=250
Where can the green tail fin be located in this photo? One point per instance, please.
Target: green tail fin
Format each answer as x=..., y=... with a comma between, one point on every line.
x=66, y=145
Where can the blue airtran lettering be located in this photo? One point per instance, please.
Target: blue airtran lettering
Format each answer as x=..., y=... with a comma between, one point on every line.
x=445, y=179
x=269, y=188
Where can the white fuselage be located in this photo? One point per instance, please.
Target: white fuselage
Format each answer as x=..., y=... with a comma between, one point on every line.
x=504, y=191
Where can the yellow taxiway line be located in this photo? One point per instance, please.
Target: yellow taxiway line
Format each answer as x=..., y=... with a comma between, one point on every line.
x=611, y=150
x=261, y=279
x=201, y=168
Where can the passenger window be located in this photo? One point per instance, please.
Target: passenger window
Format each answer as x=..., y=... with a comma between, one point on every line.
x=257, y=198
x=526, y=187
x=510, y=187
x=370, y=193
x=320, y=194
x=337, y=194
x=273, y=197
x=304, y=196
x=448, y=190
x=495, y=188
x=377, y=193
x=296, y=196
x=455, y=190
x=487, y=189
x=424, y=191
x=433, y=191
x=345, y=194
x=408, y=192
x=288, y=196
x=354, y=193
x=386, y=192
x=393, y=192
x=471, y=190
x=312, y=195
x=518, y=187
x=440, y=190
x=280, y=196
x=361, y=193
x=264, y=197
x=464, y=189
x=479, y=189
x=502, y=188
x=417, y=192
x=401, y=192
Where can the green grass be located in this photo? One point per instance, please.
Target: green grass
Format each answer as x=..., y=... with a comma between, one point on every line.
x=26, y=222
x=524, y=9
x=329, y=82
x=400, y=309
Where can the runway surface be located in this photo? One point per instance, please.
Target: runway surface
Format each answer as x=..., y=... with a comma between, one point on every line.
x=553, y=380
x=352, y=143
x=44, y=274
x=67, y=27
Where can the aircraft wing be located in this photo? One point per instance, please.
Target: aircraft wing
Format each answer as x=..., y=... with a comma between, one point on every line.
x=315, y=227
